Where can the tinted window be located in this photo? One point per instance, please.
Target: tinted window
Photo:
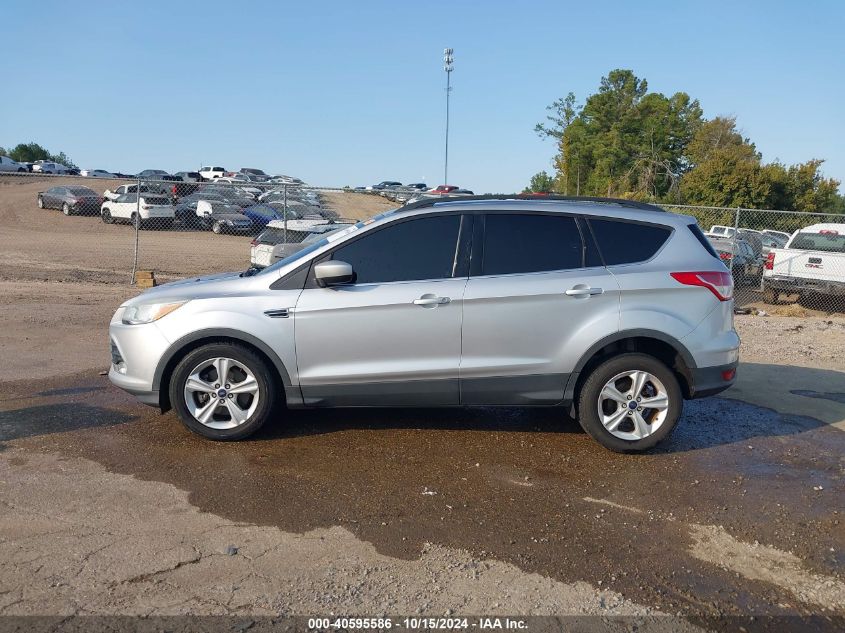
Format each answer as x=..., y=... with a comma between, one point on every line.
x=415, y=249
x=627, y=242
x=530, y=243
x=830, y=242
x=695, y=230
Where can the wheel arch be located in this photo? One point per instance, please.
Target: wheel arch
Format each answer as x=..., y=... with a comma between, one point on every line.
x=665, y=348
x=186, y=344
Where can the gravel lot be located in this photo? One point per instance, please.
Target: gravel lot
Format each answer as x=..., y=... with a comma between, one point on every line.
x=110, y=508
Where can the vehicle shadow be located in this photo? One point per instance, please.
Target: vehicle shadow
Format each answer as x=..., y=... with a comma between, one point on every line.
x=767, y=401
x=56, y=418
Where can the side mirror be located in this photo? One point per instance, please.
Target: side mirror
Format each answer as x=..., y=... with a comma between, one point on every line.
x=332, y=273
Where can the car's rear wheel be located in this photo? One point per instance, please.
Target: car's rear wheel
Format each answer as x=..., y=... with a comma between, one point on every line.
x=40, y=202
x=106, y=215
x=630, y=403
x=223, y=391
x=66, y=208
x=770, y=295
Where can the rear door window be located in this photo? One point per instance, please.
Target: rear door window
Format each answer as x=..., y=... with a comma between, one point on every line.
x=622, y=242
x=530, y=243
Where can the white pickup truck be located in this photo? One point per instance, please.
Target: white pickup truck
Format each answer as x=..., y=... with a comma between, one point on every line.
x=811, y=263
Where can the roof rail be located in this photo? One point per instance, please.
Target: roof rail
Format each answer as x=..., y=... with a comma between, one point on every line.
x=430, y=202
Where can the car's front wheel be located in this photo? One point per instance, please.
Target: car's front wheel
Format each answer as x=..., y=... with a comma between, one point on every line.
x=40, y=202
x=217, y=227
x=223, y=391
x=66, y=208
x=630, y=403
x=106, y=215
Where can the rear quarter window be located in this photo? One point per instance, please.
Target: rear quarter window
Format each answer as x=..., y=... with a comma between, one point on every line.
x=623, y=242
x=699, y=235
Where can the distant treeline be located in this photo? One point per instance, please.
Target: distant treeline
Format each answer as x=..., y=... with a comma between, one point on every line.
x=625, y=141
x=31, y=152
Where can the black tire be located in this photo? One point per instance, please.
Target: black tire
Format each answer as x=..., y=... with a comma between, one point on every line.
x=770, y=295
x=267, y=392
x=106, y=215
x=66, y=209
x=217, y=227
x=21, y=170
x=588, y=399
x=40, y=202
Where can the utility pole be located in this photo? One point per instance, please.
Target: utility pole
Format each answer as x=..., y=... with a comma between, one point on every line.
x=448, y=61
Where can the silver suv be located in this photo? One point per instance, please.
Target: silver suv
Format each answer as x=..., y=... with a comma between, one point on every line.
x=614, y=310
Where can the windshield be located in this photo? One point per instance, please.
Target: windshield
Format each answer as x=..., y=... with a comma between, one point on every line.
x=323, y=242
x=830, y=242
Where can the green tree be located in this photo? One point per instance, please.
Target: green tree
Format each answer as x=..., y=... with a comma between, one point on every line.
x=624, y=140
x=28, y=153
x=541, y=182
x=31, y=152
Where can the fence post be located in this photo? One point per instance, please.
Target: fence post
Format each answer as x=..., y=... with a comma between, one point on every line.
x=286, y=214
x=733, y=239
x=137, y=228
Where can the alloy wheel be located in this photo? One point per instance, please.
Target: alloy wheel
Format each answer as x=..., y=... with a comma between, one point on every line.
x=633, y=404
x=221, y=393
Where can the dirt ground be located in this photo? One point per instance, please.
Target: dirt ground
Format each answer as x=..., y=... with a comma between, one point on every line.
x=107, y=507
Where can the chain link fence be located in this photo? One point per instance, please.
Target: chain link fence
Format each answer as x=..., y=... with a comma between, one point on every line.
x=160, y=227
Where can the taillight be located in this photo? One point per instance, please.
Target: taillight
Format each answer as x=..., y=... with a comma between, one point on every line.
x=721, y=284
x=254, y=242
x=725, y=256
x=770, y=261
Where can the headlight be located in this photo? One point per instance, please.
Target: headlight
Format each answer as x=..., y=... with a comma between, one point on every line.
x=147, y=313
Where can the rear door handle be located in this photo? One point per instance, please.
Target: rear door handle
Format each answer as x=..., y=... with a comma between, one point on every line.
x=583, y=290
x=431, y=301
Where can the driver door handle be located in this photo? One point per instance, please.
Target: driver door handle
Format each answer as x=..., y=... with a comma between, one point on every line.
x=583, y=290
x=431, y=301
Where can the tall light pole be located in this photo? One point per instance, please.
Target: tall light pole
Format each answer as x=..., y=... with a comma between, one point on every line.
x=448, y=61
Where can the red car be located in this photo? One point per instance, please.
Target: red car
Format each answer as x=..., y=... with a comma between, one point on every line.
x=443, y=189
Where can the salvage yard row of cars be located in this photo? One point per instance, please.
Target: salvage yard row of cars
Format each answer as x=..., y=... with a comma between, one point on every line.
x=808, y=262
x=283, y=216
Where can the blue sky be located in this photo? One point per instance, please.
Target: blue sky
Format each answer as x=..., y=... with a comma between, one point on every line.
x=350, y=93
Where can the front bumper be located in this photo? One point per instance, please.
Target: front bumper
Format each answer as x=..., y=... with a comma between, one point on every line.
x=140, y=348
x=708, y=381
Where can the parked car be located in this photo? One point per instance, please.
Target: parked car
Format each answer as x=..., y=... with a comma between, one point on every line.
x=257, y=174
x=772, y=241
x=394, y=312
x=152, y=174
x=284, y=180
x=811, y=263
x=270, y=245
x=222, y=217
x=721, y=231
x=241, y=184
x=384, y=184
x=71, y=200
x=754, y=239
x=737, y=254
x=108, y=194
x=48, y=167
x=186, y=208
x=263, y=212
x=230, y=194
x=210, y=173
x=421, y=186
x=151, y=211
x=96, y=173
x=189, y=176
x=443, y=189
x=7, y=164
x=778, y=234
